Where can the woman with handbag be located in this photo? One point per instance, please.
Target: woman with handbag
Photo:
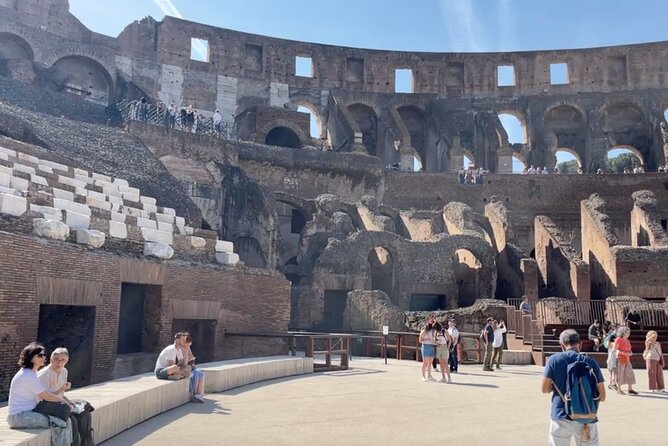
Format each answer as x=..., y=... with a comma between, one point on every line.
x=26, y=390
x=653, y=357
x=624, y=370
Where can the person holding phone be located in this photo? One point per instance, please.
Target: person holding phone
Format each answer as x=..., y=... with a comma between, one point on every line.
x=196, y=376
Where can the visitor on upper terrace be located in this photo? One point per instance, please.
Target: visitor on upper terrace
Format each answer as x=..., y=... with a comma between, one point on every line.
x=217, y=119
x=525, y=306
x=171, y=116
x=531, y=170
x=545, y=171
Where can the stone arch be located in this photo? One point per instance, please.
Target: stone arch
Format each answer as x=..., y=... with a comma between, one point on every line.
x=471, y=158
x=292, y=218
x=367, y=121
x=627, y=149
x=565, y=124
x=484, y=260
x=519, y=162
x=314, y=114
x=284, y=124
x=16, y=57
x=416, y=124
x=83, y=76
x=514, y=119
x=250, y=252
x=381, y=265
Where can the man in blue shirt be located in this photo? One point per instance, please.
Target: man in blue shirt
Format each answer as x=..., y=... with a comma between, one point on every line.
x=561, y=427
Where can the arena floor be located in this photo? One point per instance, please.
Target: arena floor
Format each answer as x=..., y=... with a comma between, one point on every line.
x=377, y=404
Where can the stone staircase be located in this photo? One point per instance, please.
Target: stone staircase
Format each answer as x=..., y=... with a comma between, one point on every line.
x=71, y=204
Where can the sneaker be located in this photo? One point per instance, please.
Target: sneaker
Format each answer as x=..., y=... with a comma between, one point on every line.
x=612, y=386
x=449, y=380
x=424, y=380
x=195, y=399
x=431, y=378
x=633, y=392
x=498, y=367
x=442, y=380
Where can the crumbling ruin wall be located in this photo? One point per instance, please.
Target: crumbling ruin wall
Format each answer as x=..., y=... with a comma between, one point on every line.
x=598, y=238
x=641, y=271
x=370, y=310
x=646, y=229
x=562, y=272
x=422, y=226
x=469, y=320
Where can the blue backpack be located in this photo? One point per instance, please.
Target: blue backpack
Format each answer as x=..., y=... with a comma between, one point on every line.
x=581, y=398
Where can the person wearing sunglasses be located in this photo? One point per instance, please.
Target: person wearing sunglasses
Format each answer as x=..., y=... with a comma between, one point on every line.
x=26, y=391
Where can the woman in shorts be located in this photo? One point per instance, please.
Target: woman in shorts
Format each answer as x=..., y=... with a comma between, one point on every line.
x=427, y=339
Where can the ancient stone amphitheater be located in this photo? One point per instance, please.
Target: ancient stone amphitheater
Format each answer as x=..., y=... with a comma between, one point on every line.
x=121, y=223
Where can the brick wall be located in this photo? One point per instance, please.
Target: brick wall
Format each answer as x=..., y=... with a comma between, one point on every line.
x=248, y=300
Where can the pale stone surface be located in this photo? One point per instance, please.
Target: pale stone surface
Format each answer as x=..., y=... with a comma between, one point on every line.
x=121, y=182
x=9, y=191
x=149, y=207
x=20, y=184
x=13, y=205
x=4, y=156
x=29, y=158
x=130, y=196
x=98, y=176
x=75, y=220
x=197, y=242
x=115, y=200
x=148, y=200
x=112, y=192
x=6, y=170
x=118, y=230
x=54, y=165
x=169, y=211
x=84, y=179
x=25, y=169
x=117, y=216
x=224, y=246
x=164, y=218
x=185, y=230
x=79, y=208
x=165, y=227
x=96, y=195
x=146, y=223
x=5, y=180
x=50, y=228
x=71, y=181
x=91, y=237
x=42, y=168
x=159, y=250
x=153, y=235
x=63, y=194
x=105, y=184
x=130, y=190
x=52, y=213
x=99, y=204
x=8, y=152
x=227, y=258
x=80, y=172
x=132, y=212
x=39, y=180
x=180, y=221
x=81, y=191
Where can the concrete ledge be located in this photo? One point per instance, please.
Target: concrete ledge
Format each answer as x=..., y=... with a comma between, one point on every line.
x=124, y=403
x=517, y=357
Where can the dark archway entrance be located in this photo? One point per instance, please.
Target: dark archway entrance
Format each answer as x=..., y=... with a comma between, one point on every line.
x=283, y=137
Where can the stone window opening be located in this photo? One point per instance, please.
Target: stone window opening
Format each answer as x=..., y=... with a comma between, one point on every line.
x=568, y=161
x=199, y=50
x=297, y=221
x=559, y=73
x=514, y=127
x=354, y=69
x=404, y=81
x=623, y=159
x=519, y=166
x=303, y=66
x=505, y=76
x=315, y=126
x=139, y=319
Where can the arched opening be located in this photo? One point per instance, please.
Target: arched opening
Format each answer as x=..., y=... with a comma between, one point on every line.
x=283, y=137
x=624, y=125
x=416, y=124
x=567, y=125
x=623, y=159
x=16, y=57
x=467, y=270
x=468, y=161
x=250, y=252
x=568, y=161
x=367, y=121
x=82, y=76
x=381, y=265
x=515, y=129
x=315, y=124
x=417, y=164
x=519, y=166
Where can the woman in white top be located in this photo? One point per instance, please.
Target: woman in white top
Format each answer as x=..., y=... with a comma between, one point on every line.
x=26, y=390
x=654, y=361
x=443, y=343
x=427, y=339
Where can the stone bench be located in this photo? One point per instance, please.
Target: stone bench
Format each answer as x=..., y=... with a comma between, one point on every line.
x=124, y=403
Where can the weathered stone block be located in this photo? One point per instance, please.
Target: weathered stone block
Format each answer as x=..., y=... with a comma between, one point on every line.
x=8, y=152
x=164, y=218
x=54, y=165
x=99, y=204
x=180, y=221
x=25, y=169
x=39, y=180
x=224, y=246
x=45, y=169
x=165, y=227
x=227, y=258
x=118, y=230
x=130, y=196
x=146, y=223
x=120, y=182
x=5, y=180
x=53, y=229
x=97, y=176
x=149, y=207
x=6, y=170
x=197, y=242
x=91, y=237
x=63, y=194
x=118, y=217
x=153, y=235
x=67, y=205
x=169, y=211
x=158, y=250
x=26, y=157
x=80, y=172
x=13, y=205
x=75, y=220
x=115, y=200
x=148, y=200
x=48, y=212
x=71, y=181
x=19, y=184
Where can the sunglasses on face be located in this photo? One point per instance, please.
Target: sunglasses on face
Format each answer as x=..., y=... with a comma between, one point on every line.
x=41, y=355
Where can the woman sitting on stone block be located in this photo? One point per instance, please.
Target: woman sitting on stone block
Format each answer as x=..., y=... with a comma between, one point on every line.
x=26, y=391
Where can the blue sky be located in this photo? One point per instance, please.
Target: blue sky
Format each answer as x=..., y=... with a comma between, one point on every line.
x=436, y=25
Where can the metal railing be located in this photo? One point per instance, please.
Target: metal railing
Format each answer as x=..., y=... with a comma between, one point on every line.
x=178, y=120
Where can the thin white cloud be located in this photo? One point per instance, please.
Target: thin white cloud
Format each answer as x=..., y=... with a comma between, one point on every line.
x=465, y=29
x=169, y=8
x=507, y=35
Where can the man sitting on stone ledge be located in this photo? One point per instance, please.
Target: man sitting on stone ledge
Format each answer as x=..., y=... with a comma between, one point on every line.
x=170, y=361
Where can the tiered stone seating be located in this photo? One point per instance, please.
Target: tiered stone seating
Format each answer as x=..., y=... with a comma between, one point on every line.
x=126, y=402
x=95, y=210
